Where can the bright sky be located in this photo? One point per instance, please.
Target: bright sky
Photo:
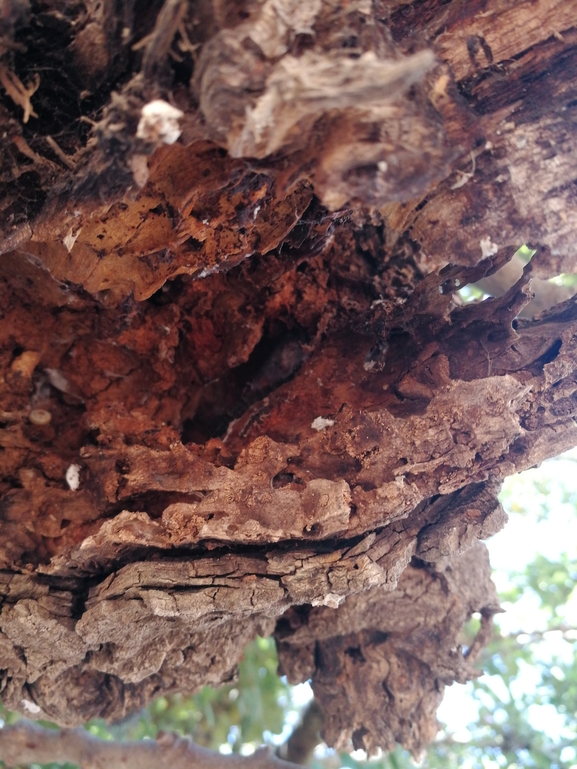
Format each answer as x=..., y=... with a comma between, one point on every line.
x=513, y=549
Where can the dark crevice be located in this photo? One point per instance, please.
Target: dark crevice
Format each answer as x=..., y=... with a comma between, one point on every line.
x=275, y=360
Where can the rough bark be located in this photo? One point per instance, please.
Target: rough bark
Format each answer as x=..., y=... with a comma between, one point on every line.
x=240, y=392
x=394, y=670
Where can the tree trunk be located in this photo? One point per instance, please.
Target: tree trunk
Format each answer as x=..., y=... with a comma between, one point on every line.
x=240, y=391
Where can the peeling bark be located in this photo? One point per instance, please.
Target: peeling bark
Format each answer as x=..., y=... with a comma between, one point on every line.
x=240, y=393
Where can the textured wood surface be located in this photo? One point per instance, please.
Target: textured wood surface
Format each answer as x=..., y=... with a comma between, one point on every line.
x=240, y=392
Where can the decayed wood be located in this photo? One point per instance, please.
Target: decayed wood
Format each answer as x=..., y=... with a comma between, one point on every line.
x=240, y=393
x=394, y=672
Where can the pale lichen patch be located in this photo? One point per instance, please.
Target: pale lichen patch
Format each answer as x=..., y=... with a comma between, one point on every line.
x=73, y=477
x=321, y=423
x=159, y=122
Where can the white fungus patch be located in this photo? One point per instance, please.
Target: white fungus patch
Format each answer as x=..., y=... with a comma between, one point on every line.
x=57, y=379
x=321, y=423
x=31, y=707
x=159, y=122
x=73, y=477
x=488, y=248
x=206, y=272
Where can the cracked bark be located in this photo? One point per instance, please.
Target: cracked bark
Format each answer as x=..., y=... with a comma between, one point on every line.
x=249, y=346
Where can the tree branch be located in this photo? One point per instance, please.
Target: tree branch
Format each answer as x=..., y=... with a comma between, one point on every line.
x=26, y=742
x=300, y=745
x=568, y=632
